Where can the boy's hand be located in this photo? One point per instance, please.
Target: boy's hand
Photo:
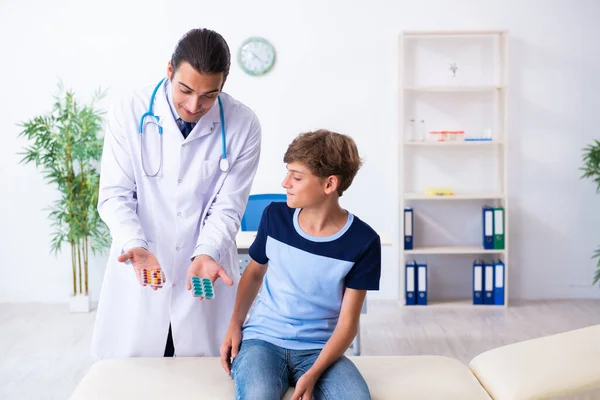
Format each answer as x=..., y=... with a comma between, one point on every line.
x=204, y=266
x=141, y=259
x=304, y=387
x=230, y=347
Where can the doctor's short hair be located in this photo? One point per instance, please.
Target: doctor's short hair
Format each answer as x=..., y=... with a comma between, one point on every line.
x=205, y=50
x=326, y=153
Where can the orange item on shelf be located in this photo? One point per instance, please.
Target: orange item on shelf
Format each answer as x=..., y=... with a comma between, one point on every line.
x=443, y=136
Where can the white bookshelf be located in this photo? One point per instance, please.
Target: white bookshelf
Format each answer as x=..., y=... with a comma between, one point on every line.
x=475, y=102
x=451, y=250
x=456, y=144
x=456, y=196
x=473, y=88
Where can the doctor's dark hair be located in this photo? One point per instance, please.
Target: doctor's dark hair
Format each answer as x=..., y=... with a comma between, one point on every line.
x=205, y=50
x=326, y=153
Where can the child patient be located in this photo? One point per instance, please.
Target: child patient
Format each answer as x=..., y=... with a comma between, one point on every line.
x=317, y=261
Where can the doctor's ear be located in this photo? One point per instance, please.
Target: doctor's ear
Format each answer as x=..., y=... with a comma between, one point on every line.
x=169, y=70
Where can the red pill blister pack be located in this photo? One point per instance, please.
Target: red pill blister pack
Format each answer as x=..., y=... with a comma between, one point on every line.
x=152, y=277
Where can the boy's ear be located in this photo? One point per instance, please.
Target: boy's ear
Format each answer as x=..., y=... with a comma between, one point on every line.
x=331, y=184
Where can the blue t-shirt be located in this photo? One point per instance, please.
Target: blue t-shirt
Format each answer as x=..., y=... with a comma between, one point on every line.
x=300, y=300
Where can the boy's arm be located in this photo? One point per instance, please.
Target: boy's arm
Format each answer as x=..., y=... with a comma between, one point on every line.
x=343, y=334
x=250, y=283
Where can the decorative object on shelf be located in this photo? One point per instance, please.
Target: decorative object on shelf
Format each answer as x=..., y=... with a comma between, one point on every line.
x=67, y=148
x=442, y=191
x=411, y=132
x=486, y=137
x=421, y=131
x=446, y=136
x=591, y=169
x=454, y=69
x=256, y=56
x=416, y=133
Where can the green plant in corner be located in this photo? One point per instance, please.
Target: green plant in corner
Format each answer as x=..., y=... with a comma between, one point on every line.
x=66, y=147
x=591, y=169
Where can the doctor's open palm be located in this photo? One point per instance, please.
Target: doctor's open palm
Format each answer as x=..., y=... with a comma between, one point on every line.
x=205, y=266
x=141, y=259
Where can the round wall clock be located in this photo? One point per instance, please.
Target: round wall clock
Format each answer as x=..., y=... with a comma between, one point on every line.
x=256, y=56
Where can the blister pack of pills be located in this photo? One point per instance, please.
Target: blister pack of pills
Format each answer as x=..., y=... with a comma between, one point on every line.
x=202, y=287
x=152, y=277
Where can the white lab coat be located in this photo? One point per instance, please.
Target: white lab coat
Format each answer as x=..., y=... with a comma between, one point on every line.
x=190, y=203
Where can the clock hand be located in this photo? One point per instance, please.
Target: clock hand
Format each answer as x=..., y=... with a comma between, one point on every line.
x=257, y=57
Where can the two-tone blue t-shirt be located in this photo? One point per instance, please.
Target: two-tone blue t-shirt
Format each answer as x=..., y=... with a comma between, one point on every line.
x=300, y=300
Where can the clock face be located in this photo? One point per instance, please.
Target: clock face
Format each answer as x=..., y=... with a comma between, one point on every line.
x=256, y=56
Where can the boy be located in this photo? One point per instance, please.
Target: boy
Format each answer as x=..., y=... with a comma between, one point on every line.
x=317, y=261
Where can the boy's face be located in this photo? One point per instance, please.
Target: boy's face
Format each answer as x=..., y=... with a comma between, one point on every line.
x=193, y=94
x=303, y=188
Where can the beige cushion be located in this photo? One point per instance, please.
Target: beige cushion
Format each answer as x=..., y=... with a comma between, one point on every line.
x=388, y=377
x=543, y=367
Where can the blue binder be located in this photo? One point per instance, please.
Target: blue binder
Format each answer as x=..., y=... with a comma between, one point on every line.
x=477, y=282
x=408, y=228
x=410, y=281
x=499, y=283
x=488, y=228
x=421, y=284
x=488, y=283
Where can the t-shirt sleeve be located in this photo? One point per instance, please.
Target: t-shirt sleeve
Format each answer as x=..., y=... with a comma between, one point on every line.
x=366, y=272
x=258, y=249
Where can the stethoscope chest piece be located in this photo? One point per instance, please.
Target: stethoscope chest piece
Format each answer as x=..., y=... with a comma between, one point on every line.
x=224, y=164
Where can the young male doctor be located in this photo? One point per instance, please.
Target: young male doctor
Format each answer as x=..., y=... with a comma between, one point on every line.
x=178, y=163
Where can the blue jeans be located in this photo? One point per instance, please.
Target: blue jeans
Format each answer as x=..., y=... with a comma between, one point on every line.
x=264, y=371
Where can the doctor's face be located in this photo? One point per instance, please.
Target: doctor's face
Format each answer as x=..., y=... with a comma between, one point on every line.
x=303, y=188
x=193, y=93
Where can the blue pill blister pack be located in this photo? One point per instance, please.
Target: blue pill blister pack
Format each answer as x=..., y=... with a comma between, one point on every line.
x=202, y=287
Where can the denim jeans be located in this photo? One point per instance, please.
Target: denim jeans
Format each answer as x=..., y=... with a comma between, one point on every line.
x=264, y=371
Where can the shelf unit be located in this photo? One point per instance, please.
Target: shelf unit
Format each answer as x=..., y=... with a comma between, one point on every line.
x=471, y=88
x=476, y=170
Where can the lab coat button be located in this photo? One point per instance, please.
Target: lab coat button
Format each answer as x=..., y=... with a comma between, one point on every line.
x=179, y=214
x=183, y=145
x=177, y=248
x=178, y=180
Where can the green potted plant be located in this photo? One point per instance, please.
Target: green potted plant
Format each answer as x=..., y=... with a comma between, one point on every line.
x=591, y=169
x=65, y=145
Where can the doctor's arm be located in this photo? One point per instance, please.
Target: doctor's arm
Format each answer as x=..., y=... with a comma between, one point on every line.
x=225, y=213
x=116, y=202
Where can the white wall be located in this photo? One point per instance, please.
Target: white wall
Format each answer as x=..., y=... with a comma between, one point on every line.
x=336, y=69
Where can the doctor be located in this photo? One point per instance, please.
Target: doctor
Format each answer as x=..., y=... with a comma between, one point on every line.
x=178, y=162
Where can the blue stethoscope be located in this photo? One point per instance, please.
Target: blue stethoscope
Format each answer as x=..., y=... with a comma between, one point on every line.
x=223, y=162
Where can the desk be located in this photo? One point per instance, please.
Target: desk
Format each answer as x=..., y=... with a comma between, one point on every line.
x=244, y=239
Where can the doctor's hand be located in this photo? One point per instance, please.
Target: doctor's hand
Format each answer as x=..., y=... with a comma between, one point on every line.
x=141, y=259
x=231, y=346
x=205, y=266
